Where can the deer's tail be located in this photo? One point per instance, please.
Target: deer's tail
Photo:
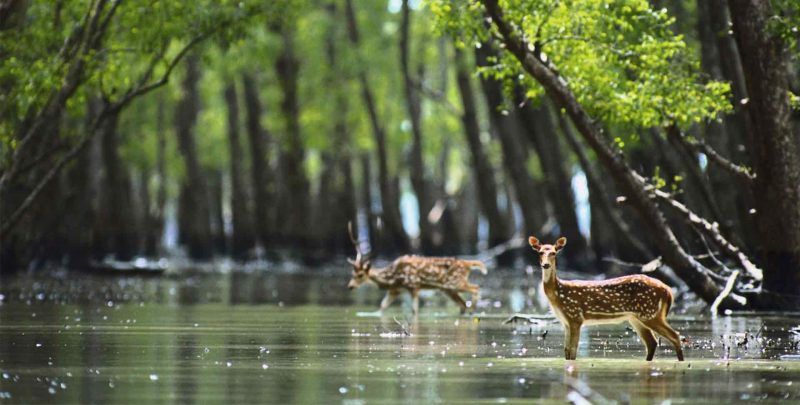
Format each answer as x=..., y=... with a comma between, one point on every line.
x=477, y=265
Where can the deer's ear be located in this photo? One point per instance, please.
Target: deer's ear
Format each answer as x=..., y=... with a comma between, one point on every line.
x=560, y=243
x=534, y=243
x=351, y=261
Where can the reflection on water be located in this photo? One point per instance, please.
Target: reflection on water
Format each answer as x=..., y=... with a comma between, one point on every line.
x=297, y=337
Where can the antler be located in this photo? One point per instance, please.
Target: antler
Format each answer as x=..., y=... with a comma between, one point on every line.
x=354, y=240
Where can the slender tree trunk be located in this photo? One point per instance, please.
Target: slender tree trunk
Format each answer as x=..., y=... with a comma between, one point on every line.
x=216, y=202
x=541, y=130
x=772, y=144
x=389, y=201
x=447, y=237
x=343, y=195
x=482, y=169
x=738, y=124
x=466, y=216
x=720, y=134
x=242, y=238
x=161, y=168
x=261, y=176
x=515, y=150
x=600, y=200
x=327, y=211
x=413, y=101
x=144, y=222
x=119, y=223
x=194, y=215
x=296, y=228
x=369, y=212
x=632, y=184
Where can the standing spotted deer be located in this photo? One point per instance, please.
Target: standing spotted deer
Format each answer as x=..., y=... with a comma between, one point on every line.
x=642, y=301
x=415, y=273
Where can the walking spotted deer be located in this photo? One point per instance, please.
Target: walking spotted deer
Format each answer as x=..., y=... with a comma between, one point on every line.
x=642, y=301
x=415, y=273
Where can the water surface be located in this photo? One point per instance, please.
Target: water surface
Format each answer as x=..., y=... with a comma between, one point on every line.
x=299, y=336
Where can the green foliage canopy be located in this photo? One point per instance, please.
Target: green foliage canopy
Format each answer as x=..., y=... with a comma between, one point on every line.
x=620, y=57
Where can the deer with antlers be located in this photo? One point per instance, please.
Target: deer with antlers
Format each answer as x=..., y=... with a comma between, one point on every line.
x=642, y=301
x=415, y=273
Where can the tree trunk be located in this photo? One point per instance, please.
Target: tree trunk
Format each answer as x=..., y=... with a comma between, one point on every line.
x=721, y=135
x=633, y=185
x=515, y=150
x=327, y=210
x=369, y=212
x=216, y=201
x=600, y=200
x=772, y=144
x=392, y=219
x=261, y=176
x=343, y=195
x=157, y=228
x=194, y=215
x=541, y=130
x=416, y=166
x=487, y=190
x=296, y=231
x=117, y=207
x=242, y=237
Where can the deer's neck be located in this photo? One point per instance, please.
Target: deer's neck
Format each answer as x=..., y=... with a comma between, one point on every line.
x=550, y=280
x=379, y=276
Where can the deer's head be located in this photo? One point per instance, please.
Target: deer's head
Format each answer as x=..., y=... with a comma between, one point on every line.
x=547, y=253
x=361, y=264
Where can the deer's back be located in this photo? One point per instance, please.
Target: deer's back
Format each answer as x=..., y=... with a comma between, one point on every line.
x=431, y=272
x=636, y=295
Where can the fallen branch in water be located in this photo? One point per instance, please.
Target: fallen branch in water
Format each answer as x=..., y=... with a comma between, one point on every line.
x=532, y=319
x=725, y=292
x=511, y=244
x=403, y=327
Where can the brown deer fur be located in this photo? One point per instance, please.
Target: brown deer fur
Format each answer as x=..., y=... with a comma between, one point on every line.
x=642, y=301
x=415, y=273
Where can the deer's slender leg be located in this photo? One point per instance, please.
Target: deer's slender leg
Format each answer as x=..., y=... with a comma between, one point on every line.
x=661, y=326
x=458, y=300
x=571, y=340
x=391, y=295
x=646, y=335
x=476, y=294
x=414, y=301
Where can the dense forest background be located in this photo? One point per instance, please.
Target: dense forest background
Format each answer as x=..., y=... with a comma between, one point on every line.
x=661, y=134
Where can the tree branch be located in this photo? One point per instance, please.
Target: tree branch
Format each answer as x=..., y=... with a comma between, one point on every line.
x=108, y=109
x=694, y=273
x=724, y=293
x=437, y=96
x=712, y=230
x=699, y=146
x=596, y=186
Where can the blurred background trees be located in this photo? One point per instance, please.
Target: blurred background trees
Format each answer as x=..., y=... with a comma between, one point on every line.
x=257, y=130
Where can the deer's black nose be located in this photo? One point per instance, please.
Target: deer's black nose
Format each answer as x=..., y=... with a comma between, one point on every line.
x=546, y=266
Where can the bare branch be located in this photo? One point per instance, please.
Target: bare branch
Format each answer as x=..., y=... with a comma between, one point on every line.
x=699, y=146
x=12, y=220
x=108, y=110
x=436, y=96
x=712, y=230
x=144, y=89
x=725, y=292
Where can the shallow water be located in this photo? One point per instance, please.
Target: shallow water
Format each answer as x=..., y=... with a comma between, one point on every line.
x=299, y=336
